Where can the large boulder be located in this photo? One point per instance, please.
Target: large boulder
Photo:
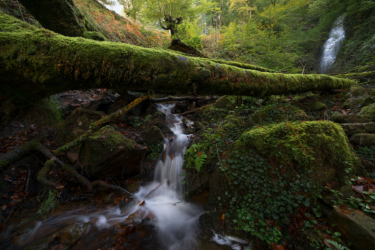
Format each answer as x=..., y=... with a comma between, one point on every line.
x=77, y=123
x=108, y=153
x=356, y=128
x=369, y=111
x=363, y=139
x=317, y=106
x=152, y=135
x=355, y=226
x=341, y=118
x=273, y=170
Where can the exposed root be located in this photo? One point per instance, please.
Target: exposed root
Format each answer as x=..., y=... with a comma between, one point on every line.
x=42, y=176
x=98, y=124
x=15, y=154
x=109, y=186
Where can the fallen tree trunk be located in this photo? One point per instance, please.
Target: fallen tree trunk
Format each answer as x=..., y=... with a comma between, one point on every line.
x=36, y=63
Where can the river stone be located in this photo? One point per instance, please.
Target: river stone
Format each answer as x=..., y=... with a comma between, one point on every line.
x=346, y=192
x=109, y=199
x=77, y=123
x=69, y=235
x=356, y=227
x=160, y=123
x=108, y=153
x=152, y=135
x=134, y=187
x=363, y=139
x=42, y=244
x=341, y=118
x=356, y=128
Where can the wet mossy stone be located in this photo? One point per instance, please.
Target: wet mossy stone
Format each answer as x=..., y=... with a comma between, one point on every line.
x=108, y=153
x=321, y=146
x=275, y=114
x=77, y=123
x=369, y=111
x=341, y=118
x=152, y=135
x=368, y=101
x=71, y=234
x=317, y=106
x=198, y=126
x=363, y=139
x=223, y=102
x=356, y=128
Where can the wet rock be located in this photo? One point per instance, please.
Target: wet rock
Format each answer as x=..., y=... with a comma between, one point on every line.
x=71, y=234
x=317, y=106
x=152, y=135
x=363, y=139
x=341, y=118
x=198, y=126
x=134, y=187
x=356, y=128
x=103, y=104
x=187, y=123
x=108, y=153
x=160, y=123
x=42, y=244
x=73, y=157
x=356, y=227
x=77, y=124
x=346, y=192
x=109, y=199
x=225, y=102
x=368, y=101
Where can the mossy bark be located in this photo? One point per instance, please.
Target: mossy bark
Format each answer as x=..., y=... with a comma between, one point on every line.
x=35, y=63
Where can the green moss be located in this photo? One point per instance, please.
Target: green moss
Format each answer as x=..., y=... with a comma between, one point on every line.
x=309, y=144
x=65, y=63
x=368, y=111
x=317, y=106
x=94, y=36
x=277, y=113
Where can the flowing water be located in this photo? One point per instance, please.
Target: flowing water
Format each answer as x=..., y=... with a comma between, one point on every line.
x=332, y=45
x=173, y=222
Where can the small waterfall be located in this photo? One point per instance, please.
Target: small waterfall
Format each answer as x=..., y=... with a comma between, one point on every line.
x=332, y=45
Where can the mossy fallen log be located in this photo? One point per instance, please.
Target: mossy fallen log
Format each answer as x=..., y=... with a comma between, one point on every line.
x=35, y=63
x=368, y=76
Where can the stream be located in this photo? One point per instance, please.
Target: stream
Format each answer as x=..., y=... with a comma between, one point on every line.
x=162, y=219
x=332, y=45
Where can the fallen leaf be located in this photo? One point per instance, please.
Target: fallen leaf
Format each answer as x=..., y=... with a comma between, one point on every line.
x=277, y=247
x=345, y=209
x=222, y=217
x=3, y=207
x=142, y=203
x=199, y=153
x=359, y=188
x=372, y=207
x=7, y=178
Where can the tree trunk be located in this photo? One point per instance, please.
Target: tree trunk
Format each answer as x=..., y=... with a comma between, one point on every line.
x=36, y=63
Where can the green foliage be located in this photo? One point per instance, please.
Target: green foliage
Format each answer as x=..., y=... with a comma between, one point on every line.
x=195, y=157
x=155, y=150
x=49, y=203
x=366, y=152
x=336, y=246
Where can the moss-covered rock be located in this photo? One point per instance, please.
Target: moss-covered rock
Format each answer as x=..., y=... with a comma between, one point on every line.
x=341, y=118
x=276, y=113
x=317, y=106
x=223, y=103
x=94, y=35
x=108, y=153
x=369, y=111
x=152, y=135
x=356, y=128
x=77, y=123
x=363, y=139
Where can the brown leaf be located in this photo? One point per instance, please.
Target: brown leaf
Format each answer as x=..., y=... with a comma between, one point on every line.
x=222, y=217
x=3, y=207
x=14, y=197
x=372, y=207
x=142, y=203
x=199, y=153
x=7, y=178
x=277, y=247
x=345, y=209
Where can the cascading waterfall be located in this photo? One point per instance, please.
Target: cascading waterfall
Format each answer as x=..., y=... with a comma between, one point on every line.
x=175, y=220
x=332, y=45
